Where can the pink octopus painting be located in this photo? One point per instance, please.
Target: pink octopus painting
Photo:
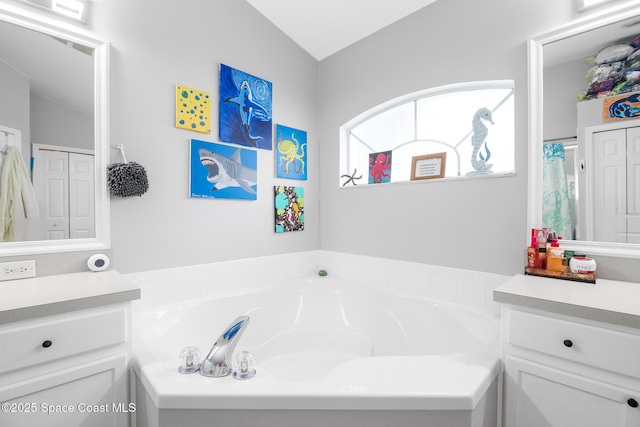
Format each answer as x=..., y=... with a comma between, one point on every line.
x=380, y=167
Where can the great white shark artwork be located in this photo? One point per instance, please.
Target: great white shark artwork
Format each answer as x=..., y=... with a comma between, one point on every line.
x=224, y=169
x=245, y=109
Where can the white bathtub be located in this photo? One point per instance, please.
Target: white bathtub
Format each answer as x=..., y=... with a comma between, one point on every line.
x=328, y=353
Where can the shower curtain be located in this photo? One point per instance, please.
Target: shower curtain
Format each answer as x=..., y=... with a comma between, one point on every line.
x=556, y=199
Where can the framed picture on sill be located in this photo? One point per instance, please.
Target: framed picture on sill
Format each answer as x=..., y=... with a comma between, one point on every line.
x=428, y=166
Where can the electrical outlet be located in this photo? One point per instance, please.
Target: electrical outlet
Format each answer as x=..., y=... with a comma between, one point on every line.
x=17, y=269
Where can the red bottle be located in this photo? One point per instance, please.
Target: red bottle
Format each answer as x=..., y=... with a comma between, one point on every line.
x=533, y=255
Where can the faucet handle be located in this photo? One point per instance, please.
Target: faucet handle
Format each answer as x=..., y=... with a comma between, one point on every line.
x=189, y=360
x=244, y=366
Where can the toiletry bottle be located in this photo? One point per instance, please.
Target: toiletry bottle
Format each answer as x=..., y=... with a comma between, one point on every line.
x=542, y=251
x=533, y=257
x=551, y=235
x=555, y=257
x=541, y=235
x=568, y=255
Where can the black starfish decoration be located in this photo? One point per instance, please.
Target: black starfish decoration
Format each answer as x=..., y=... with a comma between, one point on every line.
x=352, y=178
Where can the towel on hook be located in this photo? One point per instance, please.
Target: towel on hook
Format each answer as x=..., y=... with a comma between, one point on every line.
x=17, y=196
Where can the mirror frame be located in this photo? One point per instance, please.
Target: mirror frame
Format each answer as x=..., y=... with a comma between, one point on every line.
x=59, y=28
x=535, y=46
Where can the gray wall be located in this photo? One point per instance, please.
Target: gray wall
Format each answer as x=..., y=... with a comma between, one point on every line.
x=156, y=45
x=14, y=103
x=55, y=124
x=477, y=224
x=562, y=84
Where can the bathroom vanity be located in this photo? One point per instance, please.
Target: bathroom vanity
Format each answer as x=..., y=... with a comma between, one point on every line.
x=64, y=349
x=571, y=352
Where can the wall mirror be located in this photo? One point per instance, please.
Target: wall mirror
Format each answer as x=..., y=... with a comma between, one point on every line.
x=548, y=53
x=54, y=106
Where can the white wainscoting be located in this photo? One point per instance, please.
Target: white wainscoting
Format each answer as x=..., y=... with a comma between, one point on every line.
x=466, y=287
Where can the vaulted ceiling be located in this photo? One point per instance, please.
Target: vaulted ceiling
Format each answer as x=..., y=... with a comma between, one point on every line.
x=324, y=27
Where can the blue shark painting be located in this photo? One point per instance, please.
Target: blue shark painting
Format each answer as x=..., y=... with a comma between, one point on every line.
x=222, y=171
x=245, y=109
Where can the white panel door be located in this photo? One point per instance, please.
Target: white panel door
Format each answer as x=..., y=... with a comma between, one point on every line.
x=64, y=181
x=52, y=189
x=81, y=196
x=609, y=186
x=633, y=185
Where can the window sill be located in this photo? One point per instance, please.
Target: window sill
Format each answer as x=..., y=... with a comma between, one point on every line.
x=434, y=180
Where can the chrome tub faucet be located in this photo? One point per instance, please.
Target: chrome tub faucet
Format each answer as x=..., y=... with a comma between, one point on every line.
x=218, y=361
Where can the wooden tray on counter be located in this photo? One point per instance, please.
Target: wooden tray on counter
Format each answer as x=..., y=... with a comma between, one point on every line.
x=576, y=277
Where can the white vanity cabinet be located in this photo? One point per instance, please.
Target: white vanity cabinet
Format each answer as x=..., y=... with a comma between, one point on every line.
x=569, y=359
x=69, y=368
x=561, y=372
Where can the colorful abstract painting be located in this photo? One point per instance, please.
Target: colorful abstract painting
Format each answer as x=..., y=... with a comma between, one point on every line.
x=193, y=109
x=289, y=206
x=219, y=171
x=621, y=108
x=380, y=167
x=291, y=153
x=245, y=109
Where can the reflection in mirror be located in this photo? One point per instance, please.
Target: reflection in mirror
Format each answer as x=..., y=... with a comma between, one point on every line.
x=575, y=186
x=54, y=112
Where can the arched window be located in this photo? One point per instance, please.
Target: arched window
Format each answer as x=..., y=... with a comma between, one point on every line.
x=473, y=123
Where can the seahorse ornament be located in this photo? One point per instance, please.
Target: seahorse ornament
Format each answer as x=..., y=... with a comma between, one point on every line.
x=480, y=132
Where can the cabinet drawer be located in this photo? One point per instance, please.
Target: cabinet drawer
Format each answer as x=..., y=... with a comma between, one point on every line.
x=602, y=348
x=49, y=340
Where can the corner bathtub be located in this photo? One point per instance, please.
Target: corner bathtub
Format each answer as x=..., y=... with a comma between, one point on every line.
x=328, y=353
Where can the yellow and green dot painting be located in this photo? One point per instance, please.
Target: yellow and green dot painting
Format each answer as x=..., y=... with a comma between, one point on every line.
x=289, y=206
x=193, y=109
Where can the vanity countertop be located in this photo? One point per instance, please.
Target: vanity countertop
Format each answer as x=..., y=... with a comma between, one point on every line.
x=608, y=301
x=43, y=296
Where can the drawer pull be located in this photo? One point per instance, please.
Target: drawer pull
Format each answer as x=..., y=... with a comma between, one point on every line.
x=568, y=343
x=632, y=402
x=47, y=344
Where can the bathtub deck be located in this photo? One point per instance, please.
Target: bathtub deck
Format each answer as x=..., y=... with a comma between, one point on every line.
x=369, y=383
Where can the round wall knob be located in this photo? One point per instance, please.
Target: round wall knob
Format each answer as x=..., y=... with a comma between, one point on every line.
x=632, y=402
x=47, y=344
x=568, y=343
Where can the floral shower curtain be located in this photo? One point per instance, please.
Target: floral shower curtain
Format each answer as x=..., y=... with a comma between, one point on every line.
x=557, y=205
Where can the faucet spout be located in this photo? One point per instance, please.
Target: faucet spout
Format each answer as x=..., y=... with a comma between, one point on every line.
x=218, y=361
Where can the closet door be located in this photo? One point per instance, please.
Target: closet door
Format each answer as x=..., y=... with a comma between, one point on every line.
x=633, y=185
x=64, y=180
x=81, y=196
x=609, y=186
x=52, y=189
